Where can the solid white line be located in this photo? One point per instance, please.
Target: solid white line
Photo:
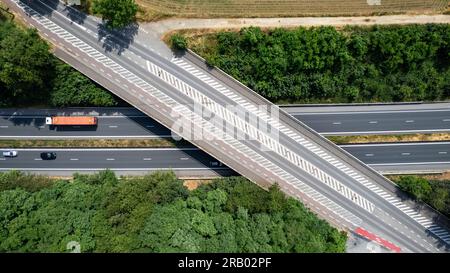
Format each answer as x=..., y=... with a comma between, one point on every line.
x=4, y=126
x=110, y=159
x=74, y=159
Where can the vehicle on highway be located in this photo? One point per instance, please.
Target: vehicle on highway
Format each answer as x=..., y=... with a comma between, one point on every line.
x=10, y=153
x=72, y=120
x=215, y=163
x=48, y=155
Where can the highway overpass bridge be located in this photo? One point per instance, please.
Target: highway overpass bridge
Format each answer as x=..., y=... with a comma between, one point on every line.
x=277, y=149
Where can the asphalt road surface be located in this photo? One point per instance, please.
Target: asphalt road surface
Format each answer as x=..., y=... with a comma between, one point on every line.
x=426, y=157
x=131, y=123
x=305, y=165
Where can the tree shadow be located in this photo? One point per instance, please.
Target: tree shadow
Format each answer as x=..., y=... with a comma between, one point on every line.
x=15, y=120
x=75, y=15
x=117, y=40
x=45, y=9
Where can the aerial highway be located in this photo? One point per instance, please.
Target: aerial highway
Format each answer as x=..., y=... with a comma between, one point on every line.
x=191, y=161
x=184, y=94
x=337, y=120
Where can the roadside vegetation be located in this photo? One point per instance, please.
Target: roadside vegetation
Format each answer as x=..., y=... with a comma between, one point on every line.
x=389, y=138
x=94, y=143
x=324, y=65
x=434, y=192
x=155, y=213
x=31, y=75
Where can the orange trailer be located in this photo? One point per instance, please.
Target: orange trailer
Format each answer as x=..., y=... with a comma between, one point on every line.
x=74, y=120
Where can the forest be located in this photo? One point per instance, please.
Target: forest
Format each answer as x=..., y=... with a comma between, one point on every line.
x=155, y=213
x=325, y=64
x=31, y=75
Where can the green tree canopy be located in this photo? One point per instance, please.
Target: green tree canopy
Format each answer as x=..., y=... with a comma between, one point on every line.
x=117, y=13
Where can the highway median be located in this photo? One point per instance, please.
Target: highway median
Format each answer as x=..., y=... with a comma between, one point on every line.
x=360, y=139
x=93, y=143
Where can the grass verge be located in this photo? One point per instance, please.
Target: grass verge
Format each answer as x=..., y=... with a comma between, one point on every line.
x=94, y=143
x=389, y=138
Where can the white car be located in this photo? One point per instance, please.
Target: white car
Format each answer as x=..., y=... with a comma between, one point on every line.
x=10, y=154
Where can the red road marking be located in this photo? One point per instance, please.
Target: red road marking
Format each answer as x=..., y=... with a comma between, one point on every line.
x=373, y=237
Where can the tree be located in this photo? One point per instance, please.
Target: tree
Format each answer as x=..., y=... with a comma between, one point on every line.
x=25, y=66
x=116, y=13
x=178, y=41
x=70, y=87
x=419, y=187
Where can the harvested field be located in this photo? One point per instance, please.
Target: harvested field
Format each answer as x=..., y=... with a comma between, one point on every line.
x=156, y=9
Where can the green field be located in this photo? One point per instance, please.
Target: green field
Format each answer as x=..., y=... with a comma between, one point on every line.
x=285, y=8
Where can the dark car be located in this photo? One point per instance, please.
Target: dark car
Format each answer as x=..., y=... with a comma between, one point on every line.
x=48, y=156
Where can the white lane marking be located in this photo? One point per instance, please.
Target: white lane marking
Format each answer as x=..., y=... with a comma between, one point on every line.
x=147, y=158
x=2, y=159
x=409, y=121
x=110, y=159
x=369, y=154
x=112, y=126
x=446, y=120
x=373, y=122
x=4, y=126
x=337, y=123
x=184, y=158
x=38, y=159
x=406, y=153
x=442, y=153
x=74, y=159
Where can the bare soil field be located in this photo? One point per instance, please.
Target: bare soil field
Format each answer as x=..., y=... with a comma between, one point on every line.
x=157, y=9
